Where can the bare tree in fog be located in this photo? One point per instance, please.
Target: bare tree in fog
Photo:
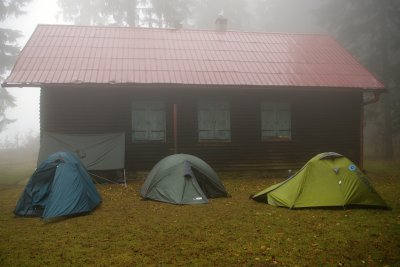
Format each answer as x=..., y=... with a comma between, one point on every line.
x=173, y=13
x=286, y=16
x=149, y=13
x=100, y=12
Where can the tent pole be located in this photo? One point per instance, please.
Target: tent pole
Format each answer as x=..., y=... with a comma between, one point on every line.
x=175, y=126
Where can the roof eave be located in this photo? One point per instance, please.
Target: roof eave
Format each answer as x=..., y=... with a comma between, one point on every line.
x=179, y=85
x=21, y=85
x=379, y=90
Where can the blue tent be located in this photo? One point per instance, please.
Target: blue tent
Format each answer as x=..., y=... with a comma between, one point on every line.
x=60, y=186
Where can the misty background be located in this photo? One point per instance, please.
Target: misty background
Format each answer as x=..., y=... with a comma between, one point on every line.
x=368, y=29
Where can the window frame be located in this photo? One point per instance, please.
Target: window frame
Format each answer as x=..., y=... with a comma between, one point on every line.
x=216, y=111
x=277, y=137
x=149, y=108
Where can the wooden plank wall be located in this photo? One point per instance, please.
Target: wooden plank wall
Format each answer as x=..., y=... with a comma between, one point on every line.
x=322, y=121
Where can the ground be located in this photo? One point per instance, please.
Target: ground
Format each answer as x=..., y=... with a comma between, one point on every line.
x=236, y=231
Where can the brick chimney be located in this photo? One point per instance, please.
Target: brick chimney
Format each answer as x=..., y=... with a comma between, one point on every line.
x=178, y=25
x=221, y=23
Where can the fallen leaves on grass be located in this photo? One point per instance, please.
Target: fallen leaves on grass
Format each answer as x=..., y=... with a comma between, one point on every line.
x=127, y=231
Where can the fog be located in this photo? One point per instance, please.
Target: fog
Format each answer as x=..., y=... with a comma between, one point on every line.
x=26, y=112
x=355, y=24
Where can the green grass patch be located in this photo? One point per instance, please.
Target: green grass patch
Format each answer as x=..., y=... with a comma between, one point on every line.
x=236, y=231
x=383, y=168
x=16, y=174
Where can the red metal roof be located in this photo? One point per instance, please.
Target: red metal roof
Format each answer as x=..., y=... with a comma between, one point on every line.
x=61, y=54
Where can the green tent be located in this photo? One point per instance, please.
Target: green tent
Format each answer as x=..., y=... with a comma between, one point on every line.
x=327, y=180
x=182, y=179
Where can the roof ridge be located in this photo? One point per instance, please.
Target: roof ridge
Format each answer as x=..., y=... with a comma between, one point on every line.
x=185, y=30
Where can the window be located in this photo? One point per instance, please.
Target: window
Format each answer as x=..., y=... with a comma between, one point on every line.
x=275, y=120
x=148, y=121
x=214, y=121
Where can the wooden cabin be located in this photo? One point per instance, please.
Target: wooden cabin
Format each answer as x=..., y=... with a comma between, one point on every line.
x=238, y=100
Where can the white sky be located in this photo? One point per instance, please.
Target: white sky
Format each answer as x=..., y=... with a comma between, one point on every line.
x=27, y=99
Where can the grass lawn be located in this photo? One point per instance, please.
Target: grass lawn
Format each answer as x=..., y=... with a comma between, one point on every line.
x=126, y=231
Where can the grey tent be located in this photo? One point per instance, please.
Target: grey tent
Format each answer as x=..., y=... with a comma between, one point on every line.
x=182, y=179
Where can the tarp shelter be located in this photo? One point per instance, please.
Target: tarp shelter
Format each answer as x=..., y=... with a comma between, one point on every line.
x=60, y=186
x=327, y=180
x=182, y=179
x=96, y=151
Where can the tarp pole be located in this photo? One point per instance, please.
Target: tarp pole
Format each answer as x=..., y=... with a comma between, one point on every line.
x=175, y=126
x=125, y=178
x=362, y=125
